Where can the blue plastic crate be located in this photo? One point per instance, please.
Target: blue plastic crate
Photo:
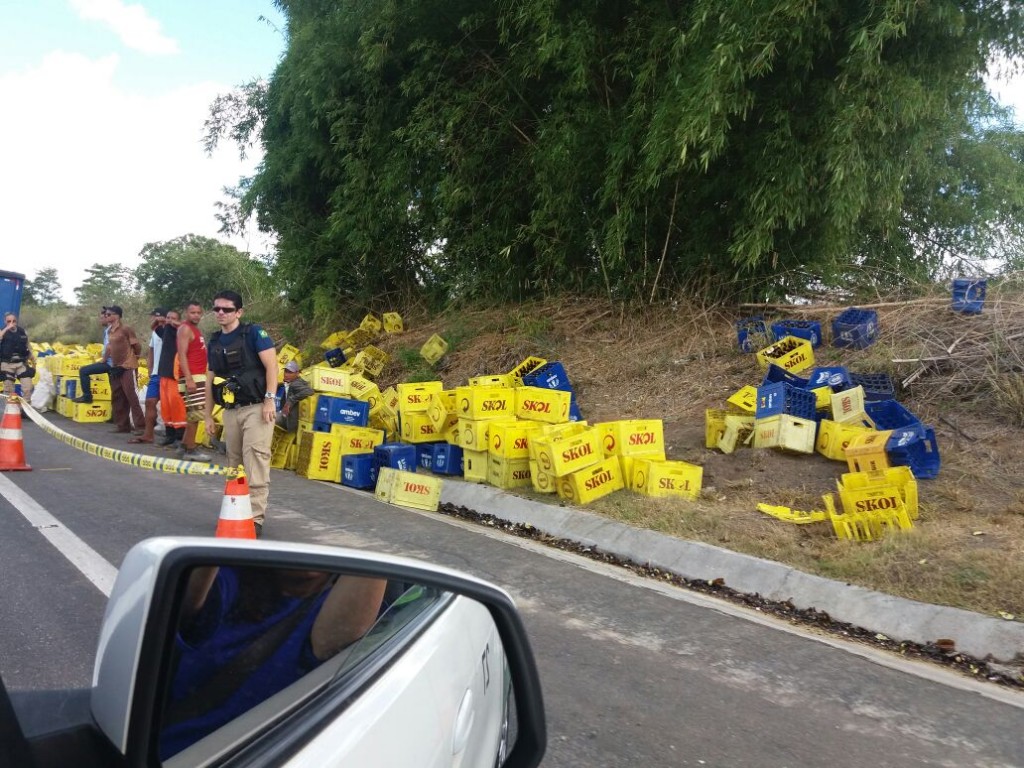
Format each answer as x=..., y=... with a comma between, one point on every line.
x=334, y=357
x=447, y=459
x=802, y=329
x=358, y=471
x=835, y=376
x=918, y=450
x=777, y=373
x=889, y=414
x=780, y=397
x=855, y=328
x=342, y=410
x=753, y=333
x=395, y=455
x=71, y=388
x=321, y=426
x=968, y=295
x=425, y=456
x=550, y=376
x=574, y=409
x=877, y=386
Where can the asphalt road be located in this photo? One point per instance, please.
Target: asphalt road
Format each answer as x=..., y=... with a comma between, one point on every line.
x=634, y=673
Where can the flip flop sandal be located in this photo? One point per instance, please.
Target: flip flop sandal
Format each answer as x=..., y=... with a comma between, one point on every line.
x=137, y=440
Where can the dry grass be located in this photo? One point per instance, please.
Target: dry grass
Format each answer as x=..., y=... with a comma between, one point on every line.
x=674, y=361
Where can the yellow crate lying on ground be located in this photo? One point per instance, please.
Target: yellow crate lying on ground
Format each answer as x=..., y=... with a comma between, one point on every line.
x=632, y=437
x=474, y=466
x=714, y=426
x=867, y=491
x=319, y=457
x=833, y=438
x=327, y=380
x=441, y=409
x=848, y=407
x=280, y=447
x=547, y=431
x=789, y=353
x=866, y=452
x=289, y=353
x=417, y=428
x=408, y=489
x=335, y=340
x=363, y=389
x=371, y=324
x=667, y=478
x=492, y=380
x=800, y=517
x=738, y=427
x=868, y=525
x=433, y=349
x=542, y=482
x=585, y=485
x=785, y=431
x=508, y=473
x=355, y=440
x=90, y=413
x=371, y=360
x=416, y=397
x=744, y=400
x=510, y=439
x=481, y=403
x=392, y=322
x=307, y=407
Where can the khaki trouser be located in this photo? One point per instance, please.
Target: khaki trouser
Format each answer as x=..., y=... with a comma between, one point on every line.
x=248, y=439
x=12, y=371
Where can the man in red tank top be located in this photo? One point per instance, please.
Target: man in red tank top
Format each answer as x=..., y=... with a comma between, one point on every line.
x=192, y=364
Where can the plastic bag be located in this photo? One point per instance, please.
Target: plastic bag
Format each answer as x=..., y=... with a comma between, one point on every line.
x=43, y=392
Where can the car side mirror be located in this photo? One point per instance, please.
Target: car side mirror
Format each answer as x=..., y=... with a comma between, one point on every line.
x=216, y=648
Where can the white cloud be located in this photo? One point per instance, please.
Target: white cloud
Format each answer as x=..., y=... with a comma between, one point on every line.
x=92, y=173
x=136, y=28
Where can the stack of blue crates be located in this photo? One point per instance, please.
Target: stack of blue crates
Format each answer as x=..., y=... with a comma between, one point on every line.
x=968, y=295
x=855, y=328
x=780, y=397
x=752, y=333
x=553, y=376
x=447, y=459
x=810, y=330
x=358, y=470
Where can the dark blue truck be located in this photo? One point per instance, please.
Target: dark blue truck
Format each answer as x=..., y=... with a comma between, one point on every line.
x=11, y=286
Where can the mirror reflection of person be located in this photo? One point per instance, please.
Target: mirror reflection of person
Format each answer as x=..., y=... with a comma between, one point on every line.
x=247, y=633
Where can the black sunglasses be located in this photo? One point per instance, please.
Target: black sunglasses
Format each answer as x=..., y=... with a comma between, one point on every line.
x=219, y=310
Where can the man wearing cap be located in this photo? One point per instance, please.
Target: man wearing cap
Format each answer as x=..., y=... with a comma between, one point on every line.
x=102, y=367
x=157, y=319
x=295, y=389
x=124, y=349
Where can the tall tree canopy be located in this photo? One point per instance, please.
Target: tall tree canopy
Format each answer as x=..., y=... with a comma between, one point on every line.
x=105, y=284
x=43, y=289
x=624, y=146
x=194, y=268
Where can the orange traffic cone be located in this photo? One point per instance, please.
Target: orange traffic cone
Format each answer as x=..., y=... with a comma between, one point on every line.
x=12, y=445
x=235, y=520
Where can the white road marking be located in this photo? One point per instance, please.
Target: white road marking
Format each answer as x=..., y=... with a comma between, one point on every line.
x=79, y=554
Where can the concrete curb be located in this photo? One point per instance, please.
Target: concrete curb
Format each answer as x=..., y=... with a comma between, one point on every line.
x=975, y=634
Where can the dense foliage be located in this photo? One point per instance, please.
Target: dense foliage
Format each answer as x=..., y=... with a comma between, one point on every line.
x=629, y=147
x=43, y=289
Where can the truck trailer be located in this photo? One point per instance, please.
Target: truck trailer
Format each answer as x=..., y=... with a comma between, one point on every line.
x=11, y=286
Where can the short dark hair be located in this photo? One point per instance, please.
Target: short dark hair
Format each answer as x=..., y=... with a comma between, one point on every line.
x=194, y=303
x=231, y=296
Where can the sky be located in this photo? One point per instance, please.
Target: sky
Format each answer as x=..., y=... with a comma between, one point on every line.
x=103, y=107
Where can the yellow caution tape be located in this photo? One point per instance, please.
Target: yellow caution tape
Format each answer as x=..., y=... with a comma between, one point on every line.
x=173, y=466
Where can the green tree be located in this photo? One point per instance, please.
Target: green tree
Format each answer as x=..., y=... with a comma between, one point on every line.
x=194, y=267
x=516, y=148
x=105, y=284
x=43, y=289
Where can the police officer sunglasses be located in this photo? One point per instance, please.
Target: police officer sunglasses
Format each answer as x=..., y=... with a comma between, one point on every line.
x=220, y=310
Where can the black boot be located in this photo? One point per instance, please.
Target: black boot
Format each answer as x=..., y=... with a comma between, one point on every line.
x=171, y=436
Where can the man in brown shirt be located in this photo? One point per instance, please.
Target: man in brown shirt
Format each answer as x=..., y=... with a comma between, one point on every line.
x=124, y=349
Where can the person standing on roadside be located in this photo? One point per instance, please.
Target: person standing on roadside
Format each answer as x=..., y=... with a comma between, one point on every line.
x=16, y=361
x=244, y=356
x=124, y=349
x=192, y=364
x=172, y=406
x=102, y=366
x=157, y=319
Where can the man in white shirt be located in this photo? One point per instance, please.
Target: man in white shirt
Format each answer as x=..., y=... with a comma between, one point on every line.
x=157, y=320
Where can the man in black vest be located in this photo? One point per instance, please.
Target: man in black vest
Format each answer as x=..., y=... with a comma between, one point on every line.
x=243, y=355
x=16, y=361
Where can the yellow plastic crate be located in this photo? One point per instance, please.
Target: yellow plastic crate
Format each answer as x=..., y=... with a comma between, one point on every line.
x=563, y=455
x=714, y=426
x=474, y=466
x=866, y=452
x=330, y=381
x=492, y=380
x=90, y=413
x=416, y=397
x=848, y=407
x=833, y=438
x=371, y=324
x=392, y=322
x=372, y=360
x=280, y=447
x=441, y=408
x=335, y=340
x=510, y=439
x=474, y=433
x=632, y=437
x=307, y=407
x=822, y=398
x=356, y=440
x=363, y=389
x=480, y=403
x=594, y=482
x=528, y=365
x=508, y=473
x=789, y=353
x=785, y=431
x=881, y=484
x=800, y=517
x=738, y=427
x=550, y=406
x=666, y=478
x=433, y=349
x=408, y=489
x=319, y=457
x=542, y=482
x=744, y=400
x=868, y=525
x=417, y=428
x=289, y=353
